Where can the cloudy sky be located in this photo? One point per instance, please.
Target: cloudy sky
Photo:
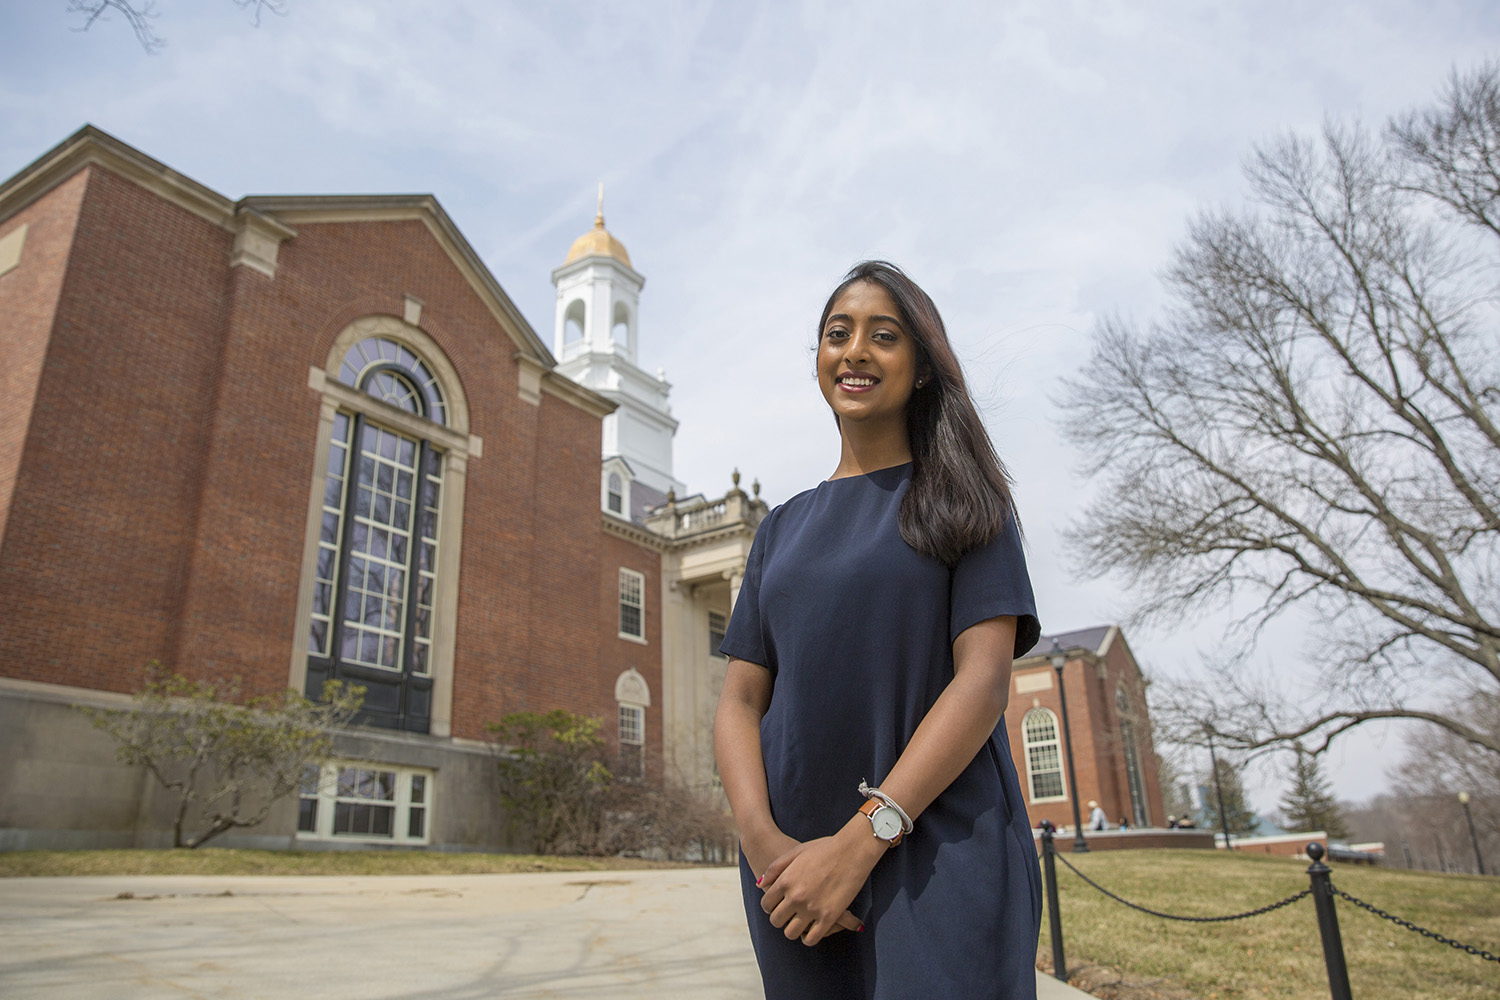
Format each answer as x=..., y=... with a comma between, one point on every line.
x=1030, y=163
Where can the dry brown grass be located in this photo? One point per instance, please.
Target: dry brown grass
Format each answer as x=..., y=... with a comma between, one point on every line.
x=1277, y=955
x=223, y=861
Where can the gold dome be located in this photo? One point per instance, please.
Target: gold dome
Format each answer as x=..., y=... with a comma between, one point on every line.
x=598, y=242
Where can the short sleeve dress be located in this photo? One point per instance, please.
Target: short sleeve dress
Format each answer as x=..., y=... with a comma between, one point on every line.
x=857, y=629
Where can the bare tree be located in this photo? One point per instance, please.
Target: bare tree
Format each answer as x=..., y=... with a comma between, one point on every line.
x=230, y=760
x=1422, y=821
x=140, y=14
x=1310, y=426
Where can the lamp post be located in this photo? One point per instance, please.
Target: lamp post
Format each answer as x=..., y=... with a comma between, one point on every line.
x=1463, y=800
x=1060, y=660
x=1213, y=762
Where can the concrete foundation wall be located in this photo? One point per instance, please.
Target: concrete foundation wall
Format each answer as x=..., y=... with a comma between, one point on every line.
x=61, y=787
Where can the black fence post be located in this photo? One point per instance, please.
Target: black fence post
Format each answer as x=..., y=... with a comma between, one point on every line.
x=1328, y=924
x=1054, y=917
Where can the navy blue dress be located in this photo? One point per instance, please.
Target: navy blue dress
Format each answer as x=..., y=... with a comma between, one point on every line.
x=857, y=630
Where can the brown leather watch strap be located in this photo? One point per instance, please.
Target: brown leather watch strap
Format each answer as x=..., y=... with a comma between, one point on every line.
x=869, y=811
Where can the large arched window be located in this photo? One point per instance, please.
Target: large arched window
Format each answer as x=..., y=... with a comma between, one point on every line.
x=389, y=371
x=1044, y=774
x=1132, y=759
x=378, y=609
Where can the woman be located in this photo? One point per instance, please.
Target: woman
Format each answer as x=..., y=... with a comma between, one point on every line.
x=872, y=642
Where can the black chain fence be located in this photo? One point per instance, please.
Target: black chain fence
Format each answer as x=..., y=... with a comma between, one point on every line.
x=1469, y=948
x=1322, y=890
x=1288, y=901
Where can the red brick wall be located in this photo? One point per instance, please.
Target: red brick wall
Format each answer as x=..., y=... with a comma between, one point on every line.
x=1288, y=847
x=1128, y=840
x=28, y=301
x=103, y=503
x=620, y=654
x=1123, y=672
x=1080, y=722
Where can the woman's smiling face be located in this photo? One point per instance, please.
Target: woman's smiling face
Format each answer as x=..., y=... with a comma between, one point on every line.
x=867, y=360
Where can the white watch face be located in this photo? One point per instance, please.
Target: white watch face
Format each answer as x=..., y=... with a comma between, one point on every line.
x=885, y=823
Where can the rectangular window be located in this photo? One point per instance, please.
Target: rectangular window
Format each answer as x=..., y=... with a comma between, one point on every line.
x=375, y=594
x=369, y=802
x=331, y=533
x=1043, y=755
x=632, y=604
x=632, y=741
x=427, y=547
x=307, y=800
x=716, y=625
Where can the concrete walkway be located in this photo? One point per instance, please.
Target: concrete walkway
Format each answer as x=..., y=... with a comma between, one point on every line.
x=578, y=936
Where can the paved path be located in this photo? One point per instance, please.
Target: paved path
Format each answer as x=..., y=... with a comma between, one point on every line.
x=570, y=935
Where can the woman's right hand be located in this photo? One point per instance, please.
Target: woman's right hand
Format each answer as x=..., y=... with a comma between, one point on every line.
x=761, y=850
x=773, y=845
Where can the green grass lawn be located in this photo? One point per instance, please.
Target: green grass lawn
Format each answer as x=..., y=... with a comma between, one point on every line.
x=223, y=861
x=1278, y=954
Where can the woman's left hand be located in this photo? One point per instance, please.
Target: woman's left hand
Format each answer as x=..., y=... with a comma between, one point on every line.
x=810, y=887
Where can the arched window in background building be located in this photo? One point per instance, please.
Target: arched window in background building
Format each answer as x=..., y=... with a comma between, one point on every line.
x=615, y=500
x=373, y=612
x=1139, y=816
x=1044, y=774
x=633, y=696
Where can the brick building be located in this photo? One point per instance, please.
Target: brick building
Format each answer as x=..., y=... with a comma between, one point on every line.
x=1113, y=754
x=284, y=439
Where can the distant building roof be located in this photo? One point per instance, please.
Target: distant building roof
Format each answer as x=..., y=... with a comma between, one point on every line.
x=1085, y=638
x=642, y=499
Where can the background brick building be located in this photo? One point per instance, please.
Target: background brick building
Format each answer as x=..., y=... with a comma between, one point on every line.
x=1113, y=752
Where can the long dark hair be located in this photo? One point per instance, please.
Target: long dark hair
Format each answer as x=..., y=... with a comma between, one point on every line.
x=959, y=496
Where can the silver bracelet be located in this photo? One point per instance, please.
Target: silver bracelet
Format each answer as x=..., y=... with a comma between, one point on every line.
x=875, y=793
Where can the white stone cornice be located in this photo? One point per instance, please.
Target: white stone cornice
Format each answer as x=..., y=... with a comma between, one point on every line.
x=564, y=388
x=91, y=146
x=257, y=238
x=632, y=532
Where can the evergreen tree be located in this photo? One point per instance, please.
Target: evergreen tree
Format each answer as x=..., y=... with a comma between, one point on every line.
x=1308, y=805
x=1241, y=818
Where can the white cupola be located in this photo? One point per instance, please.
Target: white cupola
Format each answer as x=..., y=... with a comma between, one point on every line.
x=595, y=342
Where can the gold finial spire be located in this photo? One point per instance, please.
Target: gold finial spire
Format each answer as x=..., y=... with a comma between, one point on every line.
x=598, y=242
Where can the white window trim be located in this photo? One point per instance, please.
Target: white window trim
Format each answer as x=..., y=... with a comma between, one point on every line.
x=1062, y=771
x=328, y=778
x=620, y=603
x=617, y=467
x=640, y=711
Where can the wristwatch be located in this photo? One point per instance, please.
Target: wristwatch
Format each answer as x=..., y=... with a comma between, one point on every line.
x=884, y=822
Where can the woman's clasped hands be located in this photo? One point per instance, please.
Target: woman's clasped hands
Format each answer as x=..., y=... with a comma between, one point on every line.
x=807, y=889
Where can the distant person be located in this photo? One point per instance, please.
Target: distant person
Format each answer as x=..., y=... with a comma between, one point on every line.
x=1186, y=823
x=1097, y=819
x=1171, y=822
x=872, y=643
x=1124, y=823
